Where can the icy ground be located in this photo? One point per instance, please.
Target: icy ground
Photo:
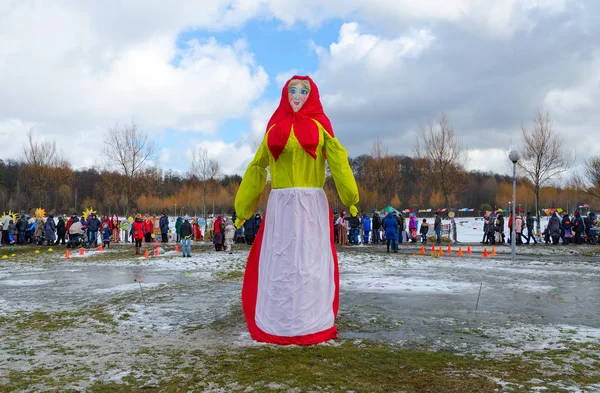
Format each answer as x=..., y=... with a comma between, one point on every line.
x=100, y=312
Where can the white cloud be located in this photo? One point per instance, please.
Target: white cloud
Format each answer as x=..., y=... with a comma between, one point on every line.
x=499, y=18
x=109, y=63
x=489, y=160
x=71, y=68
x=232, y=157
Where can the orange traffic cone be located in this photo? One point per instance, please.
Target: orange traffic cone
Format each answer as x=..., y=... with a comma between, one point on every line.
x=485, y=253
x=81, y=251
x=67, y=256
x=468, y=250
x=156, y=252
x=493, y=251
x=146, y=255
x=100, y=248
x=441, y=252
x=176, y=247
x=432, y=248
x=449, y=251
x=422, y=250
x=460, y=253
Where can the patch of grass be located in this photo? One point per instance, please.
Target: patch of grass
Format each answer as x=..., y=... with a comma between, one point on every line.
x=358, y=366
x=57, y=320
x=230, y=275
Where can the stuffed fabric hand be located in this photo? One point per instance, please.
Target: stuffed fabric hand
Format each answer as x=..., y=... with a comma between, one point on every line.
x=353, y=210
x=239, y=222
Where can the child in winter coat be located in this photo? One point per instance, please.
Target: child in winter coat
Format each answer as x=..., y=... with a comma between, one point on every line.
x=229, y=235
x=12, y=232
x=546, y=235
x=106, y=233
x=423, y=231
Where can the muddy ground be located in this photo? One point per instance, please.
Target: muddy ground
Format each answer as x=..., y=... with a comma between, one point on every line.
x=113, y=321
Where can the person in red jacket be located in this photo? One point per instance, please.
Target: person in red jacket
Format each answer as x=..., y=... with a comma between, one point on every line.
x=219, y=238
x=196, y=230
x=70, y=222
x=137, y=233
x=148, y=228
x=105, y=220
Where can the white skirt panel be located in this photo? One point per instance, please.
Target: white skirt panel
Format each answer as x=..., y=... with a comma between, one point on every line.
x=296, y=285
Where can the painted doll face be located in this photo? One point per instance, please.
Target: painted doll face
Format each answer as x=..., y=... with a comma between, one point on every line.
x=297, y=94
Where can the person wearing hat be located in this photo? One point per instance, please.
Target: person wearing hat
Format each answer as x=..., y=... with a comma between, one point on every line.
x=342, y=228
x=93, y=226
x=164, y=227
x=186, y=237
x=106, y=233
x=137, y=233
x=22, y=225
x=148, y=228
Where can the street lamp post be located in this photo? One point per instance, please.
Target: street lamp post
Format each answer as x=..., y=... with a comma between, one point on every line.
x=514, y=157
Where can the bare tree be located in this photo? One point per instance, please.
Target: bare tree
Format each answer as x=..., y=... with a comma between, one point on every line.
x=128, y=150
x=45, y=169
x=206, y=170
x=380, y=175
x=589, y=181
x=544, y=157
x=441, y=158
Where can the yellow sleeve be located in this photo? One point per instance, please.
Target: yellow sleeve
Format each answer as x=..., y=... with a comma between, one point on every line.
x=253, y=185
x=337, y=159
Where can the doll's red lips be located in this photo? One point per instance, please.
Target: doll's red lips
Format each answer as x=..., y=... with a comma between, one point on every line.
x=296, y=102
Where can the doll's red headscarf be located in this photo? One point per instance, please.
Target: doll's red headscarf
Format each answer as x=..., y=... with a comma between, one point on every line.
x=305, y=129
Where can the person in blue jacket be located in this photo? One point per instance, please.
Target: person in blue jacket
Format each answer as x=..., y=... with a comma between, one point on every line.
x=106, y=233
x=390, y=226
x=163, y=223
x=366, y=224
x=30, y=231
x=93, y=226
x=250, y=229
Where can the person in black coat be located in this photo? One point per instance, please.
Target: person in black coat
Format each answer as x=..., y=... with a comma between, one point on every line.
x=186, y=237
x=424, y=230
x=376, y=227
x=565, y=229
x=61, y=231
x=22, y=225
x=400, y=221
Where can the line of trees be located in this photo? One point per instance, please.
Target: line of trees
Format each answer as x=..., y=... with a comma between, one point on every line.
x=435, y=177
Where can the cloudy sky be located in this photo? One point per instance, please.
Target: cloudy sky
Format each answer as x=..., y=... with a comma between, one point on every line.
x=210, y=73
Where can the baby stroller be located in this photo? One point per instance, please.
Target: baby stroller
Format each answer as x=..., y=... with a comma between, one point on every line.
x=77, y=241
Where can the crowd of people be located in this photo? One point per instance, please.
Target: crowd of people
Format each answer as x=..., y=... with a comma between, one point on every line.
x=75, y=231
x=578, y=230
x=349, y=229
x=59, y=230
x=391, y=229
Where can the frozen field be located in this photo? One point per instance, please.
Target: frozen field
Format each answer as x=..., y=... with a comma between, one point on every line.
x=106, y=318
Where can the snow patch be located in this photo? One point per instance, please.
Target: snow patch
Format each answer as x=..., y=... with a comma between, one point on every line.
x=127, y=287
x=24, y=283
